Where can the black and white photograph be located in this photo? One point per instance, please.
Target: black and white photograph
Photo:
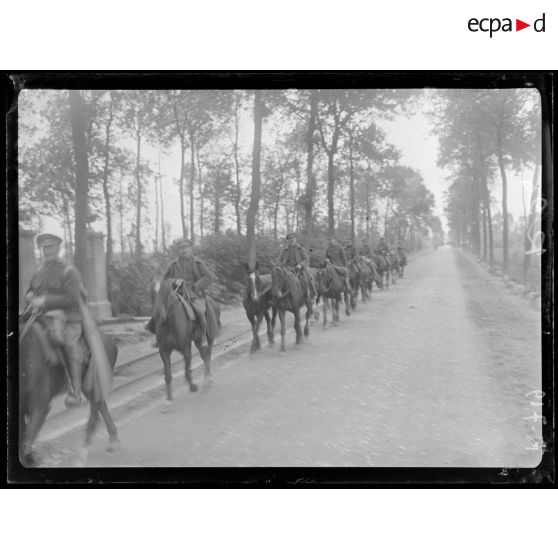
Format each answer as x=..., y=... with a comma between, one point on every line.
x=281, y=276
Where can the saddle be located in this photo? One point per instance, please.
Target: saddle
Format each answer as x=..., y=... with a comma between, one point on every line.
x=49, y=331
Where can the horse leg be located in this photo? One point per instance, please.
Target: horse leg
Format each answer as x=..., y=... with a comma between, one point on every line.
x=206, y=357
x=273, y=320
x=335, y=310
x=187, y=352
x=346, y=297
x=298, y=331
x=255, y=340
x=165, y=356
x=324, y=309
x=91, y=423
x=282, y=320
x=255, y=337
x=268, y=328
x=114, y=443
x=309, y=309
x=37, y=416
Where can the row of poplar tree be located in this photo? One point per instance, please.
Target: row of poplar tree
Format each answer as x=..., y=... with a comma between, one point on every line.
x=324, y=164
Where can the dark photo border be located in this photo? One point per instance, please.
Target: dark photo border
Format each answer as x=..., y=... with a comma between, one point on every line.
x=17, y=475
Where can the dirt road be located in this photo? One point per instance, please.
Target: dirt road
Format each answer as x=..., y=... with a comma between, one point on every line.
x=436, y=371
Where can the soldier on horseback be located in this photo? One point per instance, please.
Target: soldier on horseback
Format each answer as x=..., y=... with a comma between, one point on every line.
x=54, y=291
x=351, y=254
x=295, y=258
x=337, y=256
x=364, y=249
x=191, y=277
x=365, y=255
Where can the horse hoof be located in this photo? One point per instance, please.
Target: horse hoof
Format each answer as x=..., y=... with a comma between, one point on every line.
x=193, y=388
x=114, y=445
x=283, y=350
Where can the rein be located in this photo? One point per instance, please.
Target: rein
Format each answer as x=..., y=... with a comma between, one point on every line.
x=33, y=315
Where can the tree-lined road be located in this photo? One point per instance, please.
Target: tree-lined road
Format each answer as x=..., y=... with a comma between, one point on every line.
x=435, y=371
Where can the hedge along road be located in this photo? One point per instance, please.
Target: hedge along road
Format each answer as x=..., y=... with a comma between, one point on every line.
x=435, y=371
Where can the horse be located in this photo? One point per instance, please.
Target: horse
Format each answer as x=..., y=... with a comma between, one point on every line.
x=332, y=287
x=175, y=330
x=383, y=265
x=372, y=276
x=42, y=376
x=257, y=302
x=358, y=279
x=402, y=262
x=395, y=265
x=289, y=296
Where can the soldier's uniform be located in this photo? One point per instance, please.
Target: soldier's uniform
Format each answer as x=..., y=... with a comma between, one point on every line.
x=336, y=255
x=196, y=277
x=365, y=249
x=293, y=255
x=59, y=287
x=350, y=251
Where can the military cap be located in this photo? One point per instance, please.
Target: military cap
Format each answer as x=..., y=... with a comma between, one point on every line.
x=291, y=235
x=48, y=239
x=184, y=242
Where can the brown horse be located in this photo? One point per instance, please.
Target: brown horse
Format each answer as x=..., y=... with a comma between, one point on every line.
x=331, y=287
x=41, y=377
x=395, y=265
x=289, y=296
x=258, y=301
x=383, y=265
x=175, y=331
x=356, y=278
x=402, y=262
x=373, y=276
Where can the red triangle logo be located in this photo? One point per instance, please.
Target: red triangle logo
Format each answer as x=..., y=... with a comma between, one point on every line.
x=519, y=25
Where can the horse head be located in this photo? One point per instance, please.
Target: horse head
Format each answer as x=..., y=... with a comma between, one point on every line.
x=253, y=284
x=278, y=281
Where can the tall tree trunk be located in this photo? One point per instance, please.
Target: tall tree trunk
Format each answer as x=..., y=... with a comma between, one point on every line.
x=79, y=125
x=352, y=186
x=486, y=198
x=217, y=209
x=156, y=242
x=310, y=181
x=121, y=214
x=368, y=211
x=192, y=181
x=238, y=196
x=181, y=187
x=163, y=239
x=69, y=245
x=297, y=199
x=200, y=191
x=330, y=191
x=530, y=224
x=139, y=202
x=275, y=215
x=505, y=241
x=106, y=194
x=256, y=180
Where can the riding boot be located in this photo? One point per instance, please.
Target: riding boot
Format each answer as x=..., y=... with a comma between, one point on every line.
x=202, y=325
x=73, y=398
